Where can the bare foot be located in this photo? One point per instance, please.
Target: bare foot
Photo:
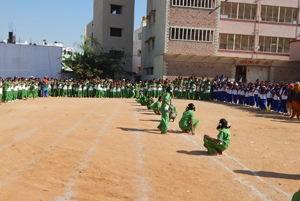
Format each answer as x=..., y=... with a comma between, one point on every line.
x=222, y=152
x=214, y=154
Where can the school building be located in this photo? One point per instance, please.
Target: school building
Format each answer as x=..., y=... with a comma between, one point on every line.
x=252, y=38
x=112, y=26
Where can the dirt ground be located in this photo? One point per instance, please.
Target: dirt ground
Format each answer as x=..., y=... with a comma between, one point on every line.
x=109, y=149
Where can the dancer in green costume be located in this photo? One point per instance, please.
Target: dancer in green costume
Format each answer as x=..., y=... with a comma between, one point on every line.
x=296, y=196
x=156, y=106
x=164, y=109
x=216, y=146
x=187, y=122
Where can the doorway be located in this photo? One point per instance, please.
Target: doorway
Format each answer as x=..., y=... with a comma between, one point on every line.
x=241, y=70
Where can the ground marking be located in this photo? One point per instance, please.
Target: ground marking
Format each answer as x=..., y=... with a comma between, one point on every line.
x=142, y=181
x=69, y=194
x=225, y=167
x=39, y=156
x=28, y=133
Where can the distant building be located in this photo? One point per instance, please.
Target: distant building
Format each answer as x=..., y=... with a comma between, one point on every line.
x=137, y=48
x=212, y=37
x=112, y=25
x=30, y=60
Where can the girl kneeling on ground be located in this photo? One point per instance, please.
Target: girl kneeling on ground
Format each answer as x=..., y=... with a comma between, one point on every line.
x=187, y=122
x=217, y=146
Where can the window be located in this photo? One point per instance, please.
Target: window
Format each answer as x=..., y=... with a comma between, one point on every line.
x=139, y=68
x=238, y=11
x=274, y=44
x=279, y=14
x=236, y=42
x=192, y=34
x=139, y=53
x=115, y=54
x=195, y=3
x=149, y=70
x=115, y=9
x=140, y=36
x=153, y=43
x=116, y=32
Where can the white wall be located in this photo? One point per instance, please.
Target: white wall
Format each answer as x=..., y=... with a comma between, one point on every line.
x=137, y=45
x=27, y=60
x=155, y=29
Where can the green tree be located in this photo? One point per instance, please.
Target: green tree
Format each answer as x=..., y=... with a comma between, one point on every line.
x=96, y=61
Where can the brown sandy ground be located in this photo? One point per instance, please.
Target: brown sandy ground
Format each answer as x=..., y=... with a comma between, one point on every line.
x=110, y=149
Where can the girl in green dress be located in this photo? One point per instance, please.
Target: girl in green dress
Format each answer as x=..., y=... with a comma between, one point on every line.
x=187, y=122
x=216, y=146
x=164, y=109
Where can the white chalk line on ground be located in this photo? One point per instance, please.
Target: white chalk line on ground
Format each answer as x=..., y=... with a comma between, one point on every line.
x=238, y=178
x=13, y=107
x=142, y=180
x=29, y=133
x=254, y=174
x=257, y=192
x=12, y=175
x=69, y=194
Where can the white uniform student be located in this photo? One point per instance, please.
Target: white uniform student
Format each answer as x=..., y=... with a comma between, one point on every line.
x=60, y=88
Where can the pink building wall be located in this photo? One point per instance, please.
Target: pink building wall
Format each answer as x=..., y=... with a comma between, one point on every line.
x=295, y=51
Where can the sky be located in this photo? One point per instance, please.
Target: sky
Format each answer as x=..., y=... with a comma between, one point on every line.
x=53, y=20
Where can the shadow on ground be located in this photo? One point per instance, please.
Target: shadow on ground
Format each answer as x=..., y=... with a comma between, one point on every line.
x=155, y=120
x=194, y=152
x=270, y=174
x=153, y=131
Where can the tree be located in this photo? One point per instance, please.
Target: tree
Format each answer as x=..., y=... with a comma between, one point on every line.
x=96, y=61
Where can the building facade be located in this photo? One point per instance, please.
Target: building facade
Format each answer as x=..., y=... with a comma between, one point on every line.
x=112, y=26
x=137, y=48
x=214, y=37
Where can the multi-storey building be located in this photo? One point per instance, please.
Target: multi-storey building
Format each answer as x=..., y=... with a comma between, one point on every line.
x=112, y=26
x=137, y=48
x=214, y=37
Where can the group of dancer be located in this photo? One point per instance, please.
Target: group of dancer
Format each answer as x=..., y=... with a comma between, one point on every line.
x=187, y=123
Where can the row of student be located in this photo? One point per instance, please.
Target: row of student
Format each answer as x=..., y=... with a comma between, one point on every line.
x=12, y=89
x=282, y=97
x=187, y=123
x=265, y=96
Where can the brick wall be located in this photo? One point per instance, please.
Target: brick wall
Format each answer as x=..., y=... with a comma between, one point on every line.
x=287, y=74
x=198, y=69
x=192, y=17
x=188, y=17
x=191, y=48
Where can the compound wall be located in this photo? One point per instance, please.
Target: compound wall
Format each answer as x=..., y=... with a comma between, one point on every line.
x=30, y=60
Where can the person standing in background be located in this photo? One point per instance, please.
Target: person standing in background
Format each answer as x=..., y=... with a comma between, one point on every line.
x=166, y=104
x=296, y=100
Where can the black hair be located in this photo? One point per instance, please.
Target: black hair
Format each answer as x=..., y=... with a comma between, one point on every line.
x=190, y=106
x=169, y=89
x=159, y=97
x=223, y=124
